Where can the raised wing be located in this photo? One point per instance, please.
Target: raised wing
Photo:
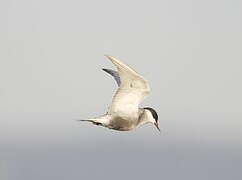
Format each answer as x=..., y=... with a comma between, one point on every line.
x=131, y=92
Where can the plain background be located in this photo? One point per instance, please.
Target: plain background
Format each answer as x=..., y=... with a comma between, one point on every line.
x=51, y=55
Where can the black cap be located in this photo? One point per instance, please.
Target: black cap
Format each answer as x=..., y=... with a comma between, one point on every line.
x=153, y=112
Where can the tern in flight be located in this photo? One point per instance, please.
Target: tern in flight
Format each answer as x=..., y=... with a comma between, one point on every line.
x=124, y=113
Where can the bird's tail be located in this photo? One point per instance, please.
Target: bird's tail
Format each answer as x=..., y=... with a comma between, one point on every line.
x=97, y=121
x=94, y=121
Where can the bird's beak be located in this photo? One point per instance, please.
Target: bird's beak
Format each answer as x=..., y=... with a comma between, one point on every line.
x=157, y=125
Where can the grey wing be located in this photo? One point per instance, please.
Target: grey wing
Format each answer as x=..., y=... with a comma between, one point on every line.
x=114, y=74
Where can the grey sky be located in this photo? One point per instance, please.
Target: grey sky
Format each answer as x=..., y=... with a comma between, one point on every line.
x=51, y=55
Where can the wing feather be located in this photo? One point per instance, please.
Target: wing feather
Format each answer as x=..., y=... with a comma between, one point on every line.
x=131, y=92
x=114, y=74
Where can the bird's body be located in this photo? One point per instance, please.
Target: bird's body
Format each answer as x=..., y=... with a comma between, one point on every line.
x=124, y=113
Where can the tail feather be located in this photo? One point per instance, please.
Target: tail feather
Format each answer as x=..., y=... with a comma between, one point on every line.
x=97, y=121
x=87, y=120
x=92, y=121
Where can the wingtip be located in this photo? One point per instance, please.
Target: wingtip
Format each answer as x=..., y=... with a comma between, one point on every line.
x=109, y=57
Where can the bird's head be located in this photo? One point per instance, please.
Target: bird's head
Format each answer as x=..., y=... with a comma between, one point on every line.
x=152, y=116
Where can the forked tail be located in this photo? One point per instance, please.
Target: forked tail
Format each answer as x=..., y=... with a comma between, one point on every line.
x=103, y=120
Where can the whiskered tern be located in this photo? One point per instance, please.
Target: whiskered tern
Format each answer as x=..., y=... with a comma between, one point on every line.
x=124, y=113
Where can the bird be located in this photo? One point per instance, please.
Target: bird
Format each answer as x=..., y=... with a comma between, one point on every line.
x=124, y=113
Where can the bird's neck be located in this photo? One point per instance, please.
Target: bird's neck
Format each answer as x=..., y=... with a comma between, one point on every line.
x=143, y=118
